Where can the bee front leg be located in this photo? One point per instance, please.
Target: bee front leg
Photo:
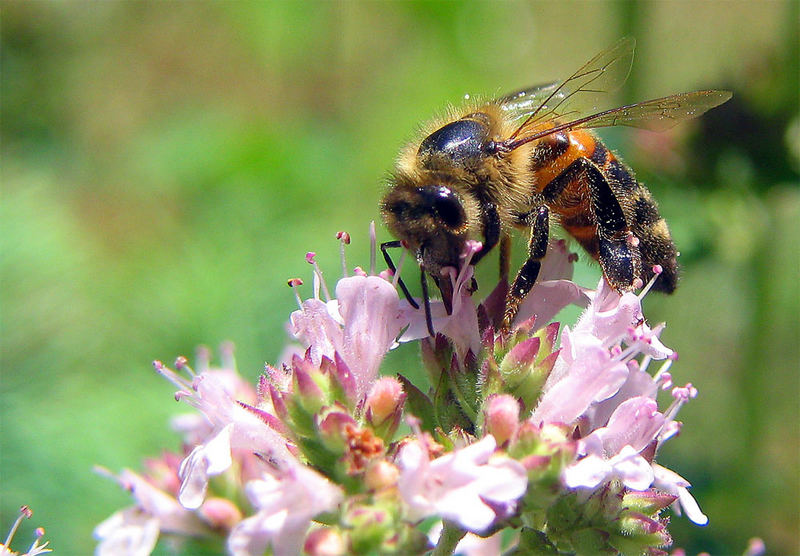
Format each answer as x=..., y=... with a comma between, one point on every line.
x=492, y=230
x=539, y=223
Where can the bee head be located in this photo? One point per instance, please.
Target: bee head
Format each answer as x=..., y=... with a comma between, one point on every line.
x=431, y=219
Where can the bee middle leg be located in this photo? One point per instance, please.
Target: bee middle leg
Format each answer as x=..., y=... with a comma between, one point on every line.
x=539, y=223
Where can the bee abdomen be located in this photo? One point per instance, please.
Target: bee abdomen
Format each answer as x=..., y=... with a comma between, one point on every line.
x=655, y=241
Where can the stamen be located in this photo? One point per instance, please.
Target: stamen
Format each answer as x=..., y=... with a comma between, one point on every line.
x=358, y=271
x=182, y=364
x=172, y=376
x=663, y=369
x=470, y=248
x=24, y=513
x=373, y=245
x=294, y=283
x=319, y=280
x=645, y=363
x=344, y=239
x=226, y=354
x=396, y=276
x=681, y=396
x=657, y=270
x=202, y=357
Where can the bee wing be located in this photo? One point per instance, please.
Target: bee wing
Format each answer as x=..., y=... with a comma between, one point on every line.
x=657, y=115
x=580, y=93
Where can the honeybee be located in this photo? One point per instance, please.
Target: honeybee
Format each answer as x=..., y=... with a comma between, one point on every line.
x=525, y=160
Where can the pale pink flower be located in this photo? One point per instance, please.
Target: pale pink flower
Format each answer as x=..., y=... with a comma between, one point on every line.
x=361, y=324
x=628, y=466
x=613, y=451
x=135, y=530
x=471, y=544
x=232, y=427
x=592, y=377
x=671, y=482
x=461, y=325
x=468, y=486
x=285, y=506
x=597, y=360
x=370, y=308
x=554, y=288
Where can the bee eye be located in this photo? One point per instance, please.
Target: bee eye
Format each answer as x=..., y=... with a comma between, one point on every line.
x=445, y=204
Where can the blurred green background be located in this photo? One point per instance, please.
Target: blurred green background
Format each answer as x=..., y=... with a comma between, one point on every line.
x=165, y=166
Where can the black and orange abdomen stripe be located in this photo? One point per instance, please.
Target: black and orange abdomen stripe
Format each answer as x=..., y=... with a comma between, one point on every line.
x=568, y=195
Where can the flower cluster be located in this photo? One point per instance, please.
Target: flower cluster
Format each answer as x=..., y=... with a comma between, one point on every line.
x=551, y=431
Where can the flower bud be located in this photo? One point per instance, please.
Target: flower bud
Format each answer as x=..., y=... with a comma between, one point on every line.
x=384, y=398
x=647, y=501
x=502, y=417
x=325, y=542
x=381, y=475
x=221, y=513
x=385, y=406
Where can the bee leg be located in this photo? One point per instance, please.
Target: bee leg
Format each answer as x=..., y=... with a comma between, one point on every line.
x=393, y=268
x=505, y=256
x=618, y=255
x=426, y=301
x=492, y=229
x=539, y=222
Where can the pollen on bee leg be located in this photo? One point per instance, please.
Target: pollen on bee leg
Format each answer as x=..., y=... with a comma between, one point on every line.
x=632, y=240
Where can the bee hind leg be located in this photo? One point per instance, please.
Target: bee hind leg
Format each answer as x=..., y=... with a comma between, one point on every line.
x=539, y=222
x=618, y=251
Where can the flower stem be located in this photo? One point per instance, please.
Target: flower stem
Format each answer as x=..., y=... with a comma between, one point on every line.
x=448, y=540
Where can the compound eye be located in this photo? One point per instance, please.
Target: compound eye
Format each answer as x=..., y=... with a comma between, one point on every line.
x=446, y=204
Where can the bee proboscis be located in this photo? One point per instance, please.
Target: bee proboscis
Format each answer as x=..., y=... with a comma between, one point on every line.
x=527, y=158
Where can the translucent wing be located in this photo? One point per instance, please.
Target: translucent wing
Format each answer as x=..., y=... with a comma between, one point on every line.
x=581, y=93
x=657, y=114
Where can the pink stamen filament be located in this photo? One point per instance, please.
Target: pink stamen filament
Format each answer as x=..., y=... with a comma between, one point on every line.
x=372, y=247
x=396, y=276
x=344, y=239
x=657, y=270
x=13, y=531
